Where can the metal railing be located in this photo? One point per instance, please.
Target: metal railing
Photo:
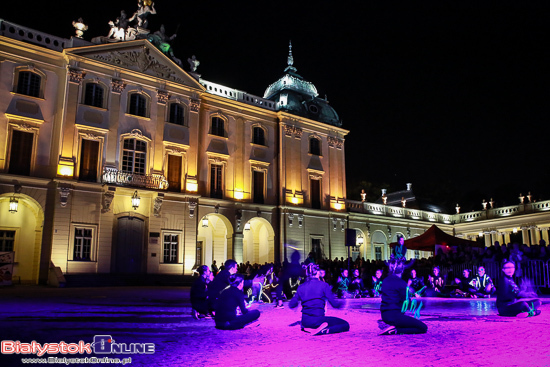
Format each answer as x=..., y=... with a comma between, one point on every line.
x=117, y=177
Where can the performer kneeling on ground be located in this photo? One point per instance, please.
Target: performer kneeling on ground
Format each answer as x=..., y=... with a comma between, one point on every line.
x=509, y=301
x=394, y=293
x=313, y=295
x=231, y=298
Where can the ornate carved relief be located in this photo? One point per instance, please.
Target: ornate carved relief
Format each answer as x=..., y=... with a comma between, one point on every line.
x=142, y=60
x=64, y=195
x=162, y=96
x=288, y=130
x=334, y=142
x=90, y=136
x=290, y=219
x=137, y=133
x=192, y=207
x=75, y=75
x=297, y=133
x=108, y=197
x=195, y=104
x=157, y=205
x=117, y=86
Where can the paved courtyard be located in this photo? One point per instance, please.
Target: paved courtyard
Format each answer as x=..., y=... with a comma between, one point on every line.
x=460, y=332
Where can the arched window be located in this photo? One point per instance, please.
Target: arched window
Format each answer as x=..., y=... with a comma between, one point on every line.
x=258, y=135
x=137, y=105
x=134, y=156
x=28, y=83
x=177, y=114
x=93, y=95
x=314, y=146
x=218, y=126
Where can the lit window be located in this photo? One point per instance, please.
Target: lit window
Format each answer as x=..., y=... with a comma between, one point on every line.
x=171, y=242
x=82, y=248
x=28, y=83
x=134, y=156
x=137, y=105
x=93, y=95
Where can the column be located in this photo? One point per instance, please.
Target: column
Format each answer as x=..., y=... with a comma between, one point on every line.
x=525, y=235
x=487, y=237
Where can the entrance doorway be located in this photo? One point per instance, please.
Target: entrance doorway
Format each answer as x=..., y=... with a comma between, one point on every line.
x=129, y=245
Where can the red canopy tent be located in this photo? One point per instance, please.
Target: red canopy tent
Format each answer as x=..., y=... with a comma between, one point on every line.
x=435, y=236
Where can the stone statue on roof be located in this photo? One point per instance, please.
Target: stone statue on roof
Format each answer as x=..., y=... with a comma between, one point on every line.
x=145, y=7
x=160, y=40
x=193, y=63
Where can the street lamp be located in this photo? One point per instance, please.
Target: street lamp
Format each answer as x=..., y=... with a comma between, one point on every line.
x=14, y=205
x=135, y=200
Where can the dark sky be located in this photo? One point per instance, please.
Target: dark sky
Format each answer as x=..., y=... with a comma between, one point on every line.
x=451, y=95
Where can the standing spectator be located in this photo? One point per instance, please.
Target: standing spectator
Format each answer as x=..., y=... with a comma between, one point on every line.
x=215, y=269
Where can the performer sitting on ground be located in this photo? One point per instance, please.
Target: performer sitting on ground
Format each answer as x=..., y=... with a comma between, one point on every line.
x=510, y=301
x=394, y=294
x=356, y=286
x=376, y=284
x=220, y=282
x=313, y=295
x=342, y=284
x=231, y=298
x=483, y=284
x=199, y=294
x=416, y=284
x=463, y=287
x=436, y=287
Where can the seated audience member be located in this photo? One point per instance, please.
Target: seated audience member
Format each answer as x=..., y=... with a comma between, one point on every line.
x=464, y=289
x=220, y=282
x=416, y=284
x=482, y=284
x=436, y=285
x=510, y=301
x=313, y=295
x=229, y=299
x=376, y=284
x=199, y=294
x=356, y=286
x=342, y=284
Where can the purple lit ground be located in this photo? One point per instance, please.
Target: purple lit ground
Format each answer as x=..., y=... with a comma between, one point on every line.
x=460, y=332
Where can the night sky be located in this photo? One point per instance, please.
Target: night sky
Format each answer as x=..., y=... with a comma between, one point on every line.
x=451, y=96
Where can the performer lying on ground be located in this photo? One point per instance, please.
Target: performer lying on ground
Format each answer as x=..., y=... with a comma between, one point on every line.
x=394, y=293
x=313, y=295
x=228, y=301
x=509, y=297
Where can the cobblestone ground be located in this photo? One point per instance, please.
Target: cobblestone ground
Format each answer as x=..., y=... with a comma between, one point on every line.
x=460, y=332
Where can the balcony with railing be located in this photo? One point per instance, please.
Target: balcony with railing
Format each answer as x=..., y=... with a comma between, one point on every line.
x=117, y=177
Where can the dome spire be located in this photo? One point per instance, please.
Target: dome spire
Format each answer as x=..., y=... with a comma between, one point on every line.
x=290, y=59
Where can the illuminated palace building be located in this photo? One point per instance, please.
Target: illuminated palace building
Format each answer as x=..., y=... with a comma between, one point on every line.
x=114, y=159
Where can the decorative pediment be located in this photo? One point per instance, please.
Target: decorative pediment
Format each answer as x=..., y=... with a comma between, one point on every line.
x=139, y=56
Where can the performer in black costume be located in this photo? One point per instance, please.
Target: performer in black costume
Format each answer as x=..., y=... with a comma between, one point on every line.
x=313, y=295
x=509, y=301
x=416, y=283
x=199, y=294
x=231, y=298
x=394, y=293
x=220, y=282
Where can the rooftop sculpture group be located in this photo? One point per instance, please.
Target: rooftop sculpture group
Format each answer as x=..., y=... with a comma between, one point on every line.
x=136, y=27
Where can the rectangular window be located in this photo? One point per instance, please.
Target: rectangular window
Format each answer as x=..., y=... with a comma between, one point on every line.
x=174, y=173
x=258, y=186
x=317, y=249
x=82, y=248
x=138, y=105
x=7, y=240
x=378, y=253
x=198, y=254
x=21, y=153
x=89, y=157
x=416, y=254
x=171, y=242
x=216, y=190
x=134, y=156
x=29, y=84
x=315, y=193
x=93, y=95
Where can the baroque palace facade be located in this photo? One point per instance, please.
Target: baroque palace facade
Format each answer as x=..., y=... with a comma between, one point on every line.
x=113, y=159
